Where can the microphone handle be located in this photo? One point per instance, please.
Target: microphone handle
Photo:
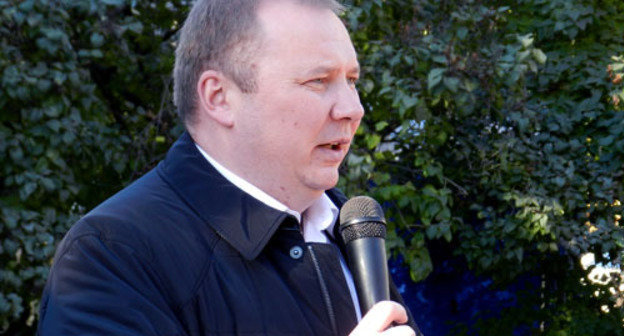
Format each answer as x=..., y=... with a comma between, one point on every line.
x=369, y=268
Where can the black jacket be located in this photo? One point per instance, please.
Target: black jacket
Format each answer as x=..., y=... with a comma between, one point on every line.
x=182, y=251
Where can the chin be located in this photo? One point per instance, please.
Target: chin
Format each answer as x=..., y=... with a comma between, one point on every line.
x=322, y=180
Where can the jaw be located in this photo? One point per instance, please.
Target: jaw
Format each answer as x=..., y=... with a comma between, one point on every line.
x=320, y=178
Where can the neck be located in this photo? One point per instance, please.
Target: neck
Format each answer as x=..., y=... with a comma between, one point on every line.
x=297, y=199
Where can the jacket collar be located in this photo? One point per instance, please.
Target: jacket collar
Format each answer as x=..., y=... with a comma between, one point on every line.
x=244, y=222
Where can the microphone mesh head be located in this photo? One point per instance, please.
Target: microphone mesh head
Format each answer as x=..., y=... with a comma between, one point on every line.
x=360, y=206
x=362, y=217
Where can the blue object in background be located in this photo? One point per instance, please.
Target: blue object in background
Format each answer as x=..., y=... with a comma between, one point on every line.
x=449, y=295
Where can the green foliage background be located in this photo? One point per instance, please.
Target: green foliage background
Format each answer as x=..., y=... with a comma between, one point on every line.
x=494, y=129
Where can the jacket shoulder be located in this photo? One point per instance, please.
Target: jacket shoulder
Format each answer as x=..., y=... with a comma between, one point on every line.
x=154, y=226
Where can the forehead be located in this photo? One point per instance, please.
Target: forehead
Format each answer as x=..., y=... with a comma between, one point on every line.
x=304, y=35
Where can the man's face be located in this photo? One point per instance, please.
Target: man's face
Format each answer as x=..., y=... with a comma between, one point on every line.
x=296, y=129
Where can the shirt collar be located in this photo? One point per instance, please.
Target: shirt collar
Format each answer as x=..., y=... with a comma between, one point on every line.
x=248, y=187
x=242, y=220
x=320, y=216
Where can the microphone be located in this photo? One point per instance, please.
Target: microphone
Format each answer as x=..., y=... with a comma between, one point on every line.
x=363, y=229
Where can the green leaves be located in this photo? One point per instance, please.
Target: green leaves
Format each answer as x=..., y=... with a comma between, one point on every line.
x=97, y=40
x=510, y=151
x=437, y=231
x=418, y=258
x=81, y=96
x=539, y=56
x=492, y=131
x=434, y=77
x=113, y=2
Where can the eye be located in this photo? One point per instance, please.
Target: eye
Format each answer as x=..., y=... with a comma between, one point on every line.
x=319, y=81
x=317, y=84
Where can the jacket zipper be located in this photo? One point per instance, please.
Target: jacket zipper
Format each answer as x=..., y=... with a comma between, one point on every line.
x=326, y=298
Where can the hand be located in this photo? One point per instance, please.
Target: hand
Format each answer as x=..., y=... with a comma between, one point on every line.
x=379, y=319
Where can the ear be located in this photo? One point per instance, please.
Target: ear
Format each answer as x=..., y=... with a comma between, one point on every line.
x=212, y=89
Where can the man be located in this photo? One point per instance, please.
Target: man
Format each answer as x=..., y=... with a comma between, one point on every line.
x=234, y=232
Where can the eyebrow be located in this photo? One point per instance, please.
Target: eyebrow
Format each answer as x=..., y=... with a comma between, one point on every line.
x=328, y=69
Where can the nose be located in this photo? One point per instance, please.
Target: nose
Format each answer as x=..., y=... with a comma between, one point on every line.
x=347, y=103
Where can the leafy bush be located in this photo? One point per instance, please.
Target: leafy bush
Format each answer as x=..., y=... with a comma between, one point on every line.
x=493, y=128
x=84, y=93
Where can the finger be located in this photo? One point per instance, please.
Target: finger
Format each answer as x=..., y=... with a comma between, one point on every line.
x=381, y=315
x=399, y=331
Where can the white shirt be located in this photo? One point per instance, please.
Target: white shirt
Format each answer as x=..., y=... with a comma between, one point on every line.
x=319, y=218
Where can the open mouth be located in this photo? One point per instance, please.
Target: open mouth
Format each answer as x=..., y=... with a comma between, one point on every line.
x=332, y=146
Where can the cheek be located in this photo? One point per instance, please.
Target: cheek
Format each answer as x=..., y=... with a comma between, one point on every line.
x=296, y=113
x=354, y=126
x=305, y=116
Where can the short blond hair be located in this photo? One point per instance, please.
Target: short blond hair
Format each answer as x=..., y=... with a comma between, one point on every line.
x=220, y=35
